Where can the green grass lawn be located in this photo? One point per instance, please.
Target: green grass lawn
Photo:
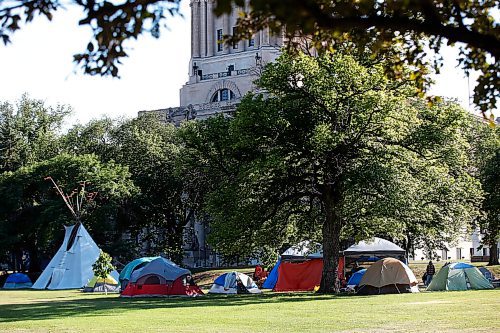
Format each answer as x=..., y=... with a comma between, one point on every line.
x=73, y=311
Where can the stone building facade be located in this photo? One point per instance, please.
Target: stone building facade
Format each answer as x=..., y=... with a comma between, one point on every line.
x=219, y=74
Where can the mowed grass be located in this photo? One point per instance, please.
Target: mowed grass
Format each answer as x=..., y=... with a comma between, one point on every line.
x=73, y=311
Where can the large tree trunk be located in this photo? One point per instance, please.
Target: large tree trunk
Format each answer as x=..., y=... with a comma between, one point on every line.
x=493, y=253
x=331, y=246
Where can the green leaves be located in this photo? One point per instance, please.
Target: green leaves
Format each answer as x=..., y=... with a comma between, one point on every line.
x=401, y=33
x=103, y=265
x=333, y=133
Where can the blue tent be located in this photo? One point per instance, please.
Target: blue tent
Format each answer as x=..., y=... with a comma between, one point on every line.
x=273, y=277
x=356, y=277
x=17, y=281
x=227, y=283
x=221, y=279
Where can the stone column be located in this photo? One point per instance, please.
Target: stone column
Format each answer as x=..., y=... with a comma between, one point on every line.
x=203, y=32
x=210, y=29
x=265, y=35
x=195, y=26
x=257, y=40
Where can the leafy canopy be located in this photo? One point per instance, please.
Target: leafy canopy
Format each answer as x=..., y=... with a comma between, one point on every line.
x=417, y=26
x=335, y=151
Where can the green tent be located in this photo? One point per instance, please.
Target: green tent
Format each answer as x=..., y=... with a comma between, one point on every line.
x=459, y=276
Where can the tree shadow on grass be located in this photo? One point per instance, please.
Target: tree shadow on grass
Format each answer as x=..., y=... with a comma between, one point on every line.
x=103, y=306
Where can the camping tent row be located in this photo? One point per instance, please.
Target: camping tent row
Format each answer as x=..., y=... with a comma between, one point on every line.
x=71, y=268
x=299, y=268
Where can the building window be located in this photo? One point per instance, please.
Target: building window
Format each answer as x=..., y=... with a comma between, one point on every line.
x=222, y=95
x=444, y=253
x=251, y=42
x=220, y=42
x=235, y=44
x=459, y=253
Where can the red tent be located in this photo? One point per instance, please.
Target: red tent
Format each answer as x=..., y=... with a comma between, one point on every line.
x=302, y=276
x=161, y=277
x=176, y=288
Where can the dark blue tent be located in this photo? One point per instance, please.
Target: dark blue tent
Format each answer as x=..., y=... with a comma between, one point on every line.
x=356, y=278
x=221, y=279
x=17, y=281
x=273, y=277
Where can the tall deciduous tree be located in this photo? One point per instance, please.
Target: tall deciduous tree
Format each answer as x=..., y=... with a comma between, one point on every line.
x=29, y=132
x=153, y=153
x=32, y=213
x=417, y=26
x=486, y=154
x=334, y=149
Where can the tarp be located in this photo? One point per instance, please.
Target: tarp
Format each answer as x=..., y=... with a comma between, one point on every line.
x=17, y=281
x=389, y=272
x=227, y=284
x=356, y=277
x=70, y=268
x=290, y=278
x=272, y=278
x=303, y=276
x=459, y=276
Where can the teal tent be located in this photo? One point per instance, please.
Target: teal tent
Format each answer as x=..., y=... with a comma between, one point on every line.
x=459, y=276
x=132, y=266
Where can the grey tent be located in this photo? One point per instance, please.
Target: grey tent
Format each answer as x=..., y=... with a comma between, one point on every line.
x=167, y=268
x=303, y=251
x=375, y=248
x=161, y=277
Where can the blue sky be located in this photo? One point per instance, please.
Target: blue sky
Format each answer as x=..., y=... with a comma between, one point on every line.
x=39, y=62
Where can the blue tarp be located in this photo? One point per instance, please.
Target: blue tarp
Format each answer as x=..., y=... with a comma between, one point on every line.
x=368, y=259
x=273, y=277
x=461, y=265
x=356, y=278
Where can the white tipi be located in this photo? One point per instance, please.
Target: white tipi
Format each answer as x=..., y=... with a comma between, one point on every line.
x=71, y=267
